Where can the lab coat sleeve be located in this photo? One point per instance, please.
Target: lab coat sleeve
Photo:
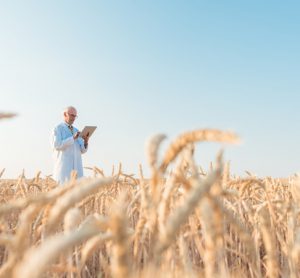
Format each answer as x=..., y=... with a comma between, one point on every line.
x=58, y=142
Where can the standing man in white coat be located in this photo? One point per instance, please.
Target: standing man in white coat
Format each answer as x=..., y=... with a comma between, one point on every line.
x=67, y=147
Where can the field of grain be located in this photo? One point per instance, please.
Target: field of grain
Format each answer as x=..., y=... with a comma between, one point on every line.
x=178, y=222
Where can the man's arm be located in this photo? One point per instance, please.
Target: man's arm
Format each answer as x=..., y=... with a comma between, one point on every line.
x=58, y=143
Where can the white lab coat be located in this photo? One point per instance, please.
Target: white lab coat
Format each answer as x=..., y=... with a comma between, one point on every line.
x=66, y=153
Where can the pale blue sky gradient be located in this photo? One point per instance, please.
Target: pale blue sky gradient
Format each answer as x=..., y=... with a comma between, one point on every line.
x=137, y=68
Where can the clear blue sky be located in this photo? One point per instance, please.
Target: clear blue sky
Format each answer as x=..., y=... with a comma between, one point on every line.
x=137, y=68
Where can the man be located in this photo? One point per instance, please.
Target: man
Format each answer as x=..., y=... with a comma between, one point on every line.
x=68, y=147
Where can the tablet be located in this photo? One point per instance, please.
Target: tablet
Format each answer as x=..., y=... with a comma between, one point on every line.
x=87, y=131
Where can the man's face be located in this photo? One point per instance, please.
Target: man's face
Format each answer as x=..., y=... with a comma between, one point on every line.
x=70, y=116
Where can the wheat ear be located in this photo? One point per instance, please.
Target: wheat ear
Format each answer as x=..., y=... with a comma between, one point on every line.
x=211, y=135
x=36, y=259
x=79, y=192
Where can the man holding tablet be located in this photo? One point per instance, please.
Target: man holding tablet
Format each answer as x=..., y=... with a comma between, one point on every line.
x=68, y=145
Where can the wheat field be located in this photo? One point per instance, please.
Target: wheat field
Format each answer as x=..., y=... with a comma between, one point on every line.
x=179, y=222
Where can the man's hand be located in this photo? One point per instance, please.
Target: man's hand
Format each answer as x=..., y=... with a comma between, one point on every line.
x=76, y=135
x=86, y=139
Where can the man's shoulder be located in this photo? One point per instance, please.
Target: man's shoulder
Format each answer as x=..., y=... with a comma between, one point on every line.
x=60, y=126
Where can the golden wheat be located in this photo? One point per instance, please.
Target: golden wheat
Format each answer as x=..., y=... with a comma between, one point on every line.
x=186, y=222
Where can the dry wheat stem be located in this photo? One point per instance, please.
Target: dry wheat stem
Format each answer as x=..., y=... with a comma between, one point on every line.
x=180, y=215
x=2, y=172
x=91, y=246
x=152, y=148
x=120, y=256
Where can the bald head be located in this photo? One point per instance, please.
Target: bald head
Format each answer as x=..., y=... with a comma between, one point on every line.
x=70, y=114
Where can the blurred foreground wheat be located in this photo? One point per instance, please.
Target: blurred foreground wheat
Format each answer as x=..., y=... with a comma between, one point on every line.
x=6, y=115
x=180, y=222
